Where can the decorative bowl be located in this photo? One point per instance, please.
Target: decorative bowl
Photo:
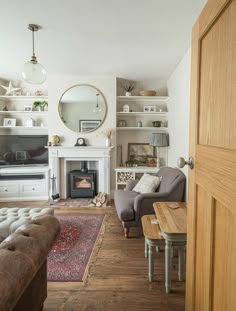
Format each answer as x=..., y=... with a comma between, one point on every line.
x=147, y=93
x=157, y=123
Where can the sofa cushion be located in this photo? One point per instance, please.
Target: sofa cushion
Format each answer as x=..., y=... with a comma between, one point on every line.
x=13, y=218
x=124, y=202
x=148, y=183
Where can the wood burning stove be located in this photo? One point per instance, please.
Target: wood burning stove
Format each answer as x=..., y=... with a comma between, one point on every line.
x=83, y=182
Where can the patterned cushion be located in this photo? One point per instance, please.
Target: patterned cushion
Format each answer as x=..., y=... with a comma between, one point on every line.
x=147, y=183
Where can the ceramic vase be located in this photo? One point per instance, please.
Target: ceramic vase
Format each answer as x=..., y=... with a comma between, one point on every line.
x=108, y=142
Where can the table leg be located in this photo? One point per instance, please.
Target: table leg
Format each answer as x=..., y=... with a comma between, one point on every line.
x=168, y=264
x=150, y=263
x=181, y=263
x=145, y=248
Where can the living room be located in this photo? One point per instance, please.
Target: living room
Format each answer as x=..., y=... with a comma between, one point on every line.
x=111, y=105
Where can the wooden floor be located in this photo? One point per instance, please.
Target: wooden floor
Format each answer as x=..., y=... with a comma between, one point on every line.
x=118, y=274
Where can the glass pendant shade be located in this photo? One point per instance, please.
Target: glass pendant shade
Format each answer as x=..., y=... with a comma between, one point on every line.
x=34, y=73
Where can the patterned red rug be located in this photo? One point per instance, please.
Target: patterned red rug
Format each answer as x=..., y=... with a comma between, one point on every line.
x=69, y=258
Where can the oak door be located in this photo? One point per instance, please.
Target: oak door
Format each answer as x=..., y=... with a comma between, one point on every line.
x=211, y=248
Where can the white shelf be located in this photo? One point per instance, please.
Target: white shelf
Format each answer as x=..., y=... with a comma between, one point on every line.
x=30, y=98
x=140, y=113
x=24, y=127
x=137, y=169
x=24, y=112
x=142, y=98
x=149, y=128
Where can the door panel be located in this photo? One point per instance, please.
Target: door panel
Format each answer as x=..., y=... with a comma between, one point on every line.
x=211, y=231
x=203, y=248
x=223, y=289
x=217, y=109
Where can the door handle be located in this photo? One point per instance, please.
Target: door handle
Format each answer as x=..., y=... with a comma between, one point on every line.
x=181, y=162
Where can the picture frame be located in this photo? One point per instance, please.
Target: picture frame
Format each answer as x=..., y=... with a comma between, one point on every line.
x=146, y=109
x=21, y=155
x=152, y=108
x=139, y=152
x=149, y=108
x=152, y=161
x=28, y=108
x=9, y=122
x=86, y=126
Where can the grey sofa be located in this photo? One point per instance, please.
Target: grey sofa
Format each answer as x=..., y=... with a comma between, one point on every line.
x=131, y=205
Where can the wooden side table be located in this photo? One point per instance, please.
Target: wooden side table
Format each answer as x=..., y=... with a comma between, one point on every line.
x=153, y=239
x=173, y=225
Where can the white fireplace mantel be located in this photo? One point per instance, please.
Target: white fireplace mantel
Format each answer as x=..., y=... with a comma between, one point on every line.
x=61, y=156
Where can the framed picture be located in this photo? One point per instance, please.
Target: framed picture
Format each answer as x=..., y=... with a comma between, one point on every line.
x=146, y=109
x=152, y=109
x=28, y=108
x=139, y=152
x=21, y=155
x=9, y=122
x=152, y=161
x=88, y=125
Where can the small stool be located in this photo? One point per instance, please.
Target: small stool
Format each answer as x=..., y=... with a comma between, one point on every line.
x=153, y=238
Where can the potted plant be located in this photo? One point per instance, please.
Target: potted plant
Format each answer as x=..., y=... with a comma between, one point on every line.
x=128, y=88
x=40, y=105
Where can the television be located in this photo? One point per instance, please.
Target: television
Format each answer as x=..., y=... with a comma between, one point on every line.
x=17, y=150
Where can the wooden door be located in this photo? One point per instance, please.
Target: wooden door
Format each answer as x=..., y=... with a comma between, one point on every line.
x=211, y=247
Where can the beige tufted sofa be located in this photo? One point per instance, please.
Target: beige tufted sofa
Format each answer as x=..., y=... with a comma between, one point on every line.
x=23, y=264
x=13, y=218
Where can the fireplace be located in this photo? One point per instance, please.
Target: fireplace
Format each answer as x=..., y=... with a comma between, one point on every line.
x=82, y=183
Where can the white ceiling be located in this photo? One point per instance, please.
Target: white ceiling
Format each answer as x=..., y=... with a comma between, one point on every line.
x=133, y=39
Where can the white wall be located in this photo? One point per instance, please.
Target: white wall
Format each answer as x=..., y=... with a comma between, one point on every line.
x=57, y=86
x=179, y=93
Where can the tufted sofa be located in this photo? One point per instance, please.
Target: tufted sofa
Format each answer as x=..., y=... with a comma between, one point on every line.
x=12, y=218
x=23, y=264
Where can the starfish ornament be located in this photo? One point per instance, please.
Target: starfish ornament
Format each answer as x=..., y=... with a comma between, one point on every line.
x=10, y=89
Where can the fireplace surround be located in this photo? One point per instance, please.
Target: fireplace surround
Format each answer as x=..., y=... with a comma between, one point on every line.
x=61, y=158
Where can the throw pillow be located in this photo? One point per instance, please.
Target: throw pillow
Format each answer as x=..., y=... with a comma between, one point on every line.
x=147, y=183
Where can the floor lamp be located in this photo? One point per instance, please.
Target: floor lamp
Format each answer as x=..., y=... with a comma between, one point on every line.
x=159, y=140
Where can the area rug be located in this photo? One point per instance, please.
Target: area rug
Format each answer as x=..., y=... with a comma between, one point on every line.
x=68, y=261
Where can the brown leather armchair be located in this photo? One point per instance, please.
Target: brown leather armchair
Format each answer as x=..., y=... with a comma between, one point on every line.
x=131, y=205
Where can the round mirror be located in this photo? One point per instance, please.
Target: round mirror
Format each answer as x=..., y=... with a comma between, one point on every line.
x=82, y=108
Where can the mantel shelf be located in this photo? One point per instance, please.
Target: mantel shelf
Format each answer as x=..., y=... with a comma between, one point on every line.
x=10, y=98
x=142, y=98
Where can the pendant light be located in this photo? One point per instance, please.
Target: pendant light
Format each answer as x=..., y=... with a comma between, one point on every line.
x=34, y=72
x=97, y=108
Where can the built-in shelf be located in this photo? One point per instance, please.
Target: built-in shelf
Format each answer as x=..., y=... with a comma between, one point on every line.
x=149, y=128
x=24, y=127
x=24, y=112
x=30, y=98
x=143, y=98
x=140, y=113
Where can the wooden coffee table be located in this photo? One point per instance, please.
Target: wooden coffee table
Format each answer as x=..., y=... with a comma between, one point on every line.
x=173, y=226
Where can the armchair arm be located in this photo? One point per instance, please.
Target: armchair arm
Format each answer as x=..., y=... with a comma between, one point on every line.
x=131, y=184
x=143, y=203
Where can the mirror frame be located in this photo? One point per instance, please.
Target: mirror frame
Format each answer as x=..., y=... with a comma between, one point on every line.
x=105, y=102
